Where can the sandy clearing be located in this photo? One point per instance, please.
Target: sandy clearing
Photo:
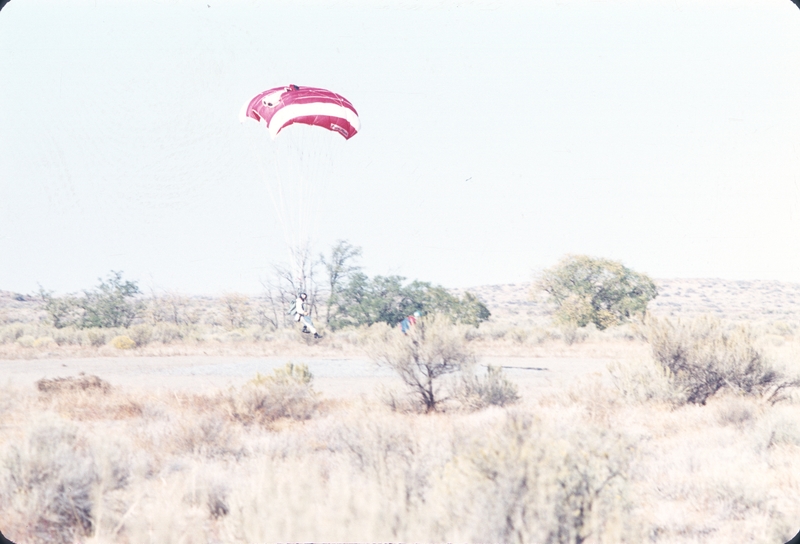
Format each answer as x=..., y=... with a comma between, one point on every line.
x=333, y=377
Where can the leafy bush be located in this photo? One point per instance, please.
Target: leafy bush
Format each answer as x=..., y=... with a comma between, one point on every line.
x=63, y=311
x=112, y=303
x=702, y=358
x=588, y=290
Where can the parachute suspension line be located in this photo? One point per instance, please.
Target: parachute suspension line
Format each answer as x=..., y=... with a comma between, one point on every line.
x=275, y=188
x=289, y=226
x=298, y=172
x=301, y=164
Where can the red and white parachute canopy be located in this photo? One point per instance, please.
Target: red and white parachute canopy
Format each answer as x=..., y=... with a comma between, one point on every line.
x=284, y=106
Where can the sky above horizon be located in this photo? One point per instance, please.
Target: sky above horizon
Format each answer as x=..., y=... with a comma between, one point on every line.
x=496, y=138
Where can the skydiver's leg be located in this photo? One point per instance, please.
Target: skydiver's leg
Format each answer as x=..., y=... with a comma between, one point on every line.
x=299, y=319
x=308, y=324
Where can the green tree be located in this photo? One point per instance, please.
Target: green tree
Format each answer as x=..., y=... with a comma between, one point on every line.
x=111, y=304
x=366, y=301
x=387, y=299
x=468, y=310
x=600, y=291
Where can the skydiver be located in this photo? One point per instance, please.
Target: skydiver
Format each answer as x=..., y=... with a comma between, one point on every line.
x=408, y=322
x=303, y=313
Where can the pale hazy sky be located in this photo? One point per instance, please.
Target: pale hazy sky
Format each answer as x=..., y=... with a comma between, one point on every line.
x=496, y=137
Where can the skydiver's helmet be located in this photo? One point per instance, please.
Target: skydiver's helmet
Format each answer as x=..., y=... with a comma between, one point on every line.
x=417, y=314
x=302, y=296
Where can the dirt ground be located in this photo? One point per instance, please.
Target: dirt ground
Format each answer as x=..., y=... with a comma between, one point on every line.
x=334, y=378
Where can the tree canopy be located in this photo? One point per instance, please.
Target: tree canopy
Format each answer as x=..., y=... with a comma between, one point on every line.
x=387, y=299
x=600, y=291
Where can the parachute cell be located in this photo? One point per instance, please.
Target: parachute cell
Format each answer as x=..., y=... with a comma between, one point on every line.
x=284, y=106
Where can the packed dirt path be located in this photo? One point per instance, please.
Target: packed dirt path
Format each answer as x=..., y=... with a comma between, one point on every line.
x=333, y=377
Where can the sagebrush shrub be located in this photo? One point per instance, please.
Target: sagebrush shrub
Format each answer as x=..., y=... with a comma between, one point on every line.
x=432, y=349
x=287, y=393
x=96, y=337
x=530, y=481
x=44, y=342
x=52, y=474
x=290, y=374
x=26, y=341
x=492, y=389
x=141, y=334
x=704, y=358
x=642, y=381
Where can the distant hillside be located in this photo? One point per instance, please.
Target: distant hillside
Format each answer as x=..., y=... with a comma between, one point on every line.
x=736, y=300
x=17, y=308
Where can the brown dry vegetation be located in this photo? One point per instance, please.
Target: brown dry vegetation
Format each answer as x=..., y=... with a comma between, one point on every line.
x=584, y=465
x=626, y=456
x=520, y=325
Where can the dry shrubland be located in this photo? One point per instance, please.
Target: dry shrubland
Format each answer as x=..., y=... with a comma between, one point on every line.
x=189, y=469
x=626, y=459
x=561, y=471
x=173, y=324
x=693, y=436
x=694, y=360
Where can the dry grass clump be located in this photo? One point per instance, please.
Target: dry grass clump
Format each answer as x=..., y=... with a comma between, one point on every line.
x=641, y=381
